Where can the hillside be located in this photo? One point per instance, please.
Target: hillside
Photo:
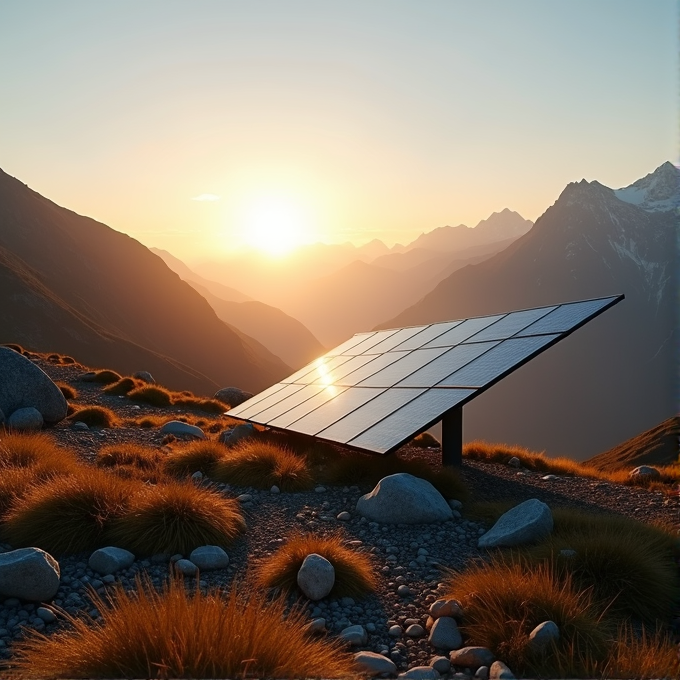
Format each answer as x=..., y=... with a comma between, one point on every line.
x=112, y=301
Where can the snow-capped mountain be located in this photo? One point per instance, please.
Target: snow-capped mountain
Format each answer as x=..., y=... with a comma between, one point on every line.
x=658, y=191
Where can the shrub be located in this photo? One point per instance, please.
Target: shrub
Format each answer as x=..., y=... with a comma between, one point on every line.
x=207, y=405
x=201, y=455
x=263, y=465
x=425, y=440
x=176, y=634
x=67, y=390
x=95, y=416
x=15, y=347
x=121, y=387
x=133, y=461
x=503, y=602
x=67, y=514
x=105, y=377
x=176, y=517
x=36, y=451
x=151, y=394
x=66, y=359
x=366, y=470
x=54, y=358
x=354, y=574
x=15, y=483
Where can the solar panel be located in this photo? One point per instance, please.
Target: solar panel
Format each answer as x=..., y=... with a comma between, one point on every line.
x=377, y=390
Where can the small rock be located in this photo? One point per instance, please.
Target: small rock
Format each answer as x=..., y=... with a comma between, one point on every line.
x=244, y=498
x=482, y=673
x=237, y=434
x=209, y=558
x=80, y=425
x=515, y=462
x=356, y=636
x=525, y=523
x=472, y=657
x=645, y=471
x=320, y=489
x=395, y=631
x=544, y=633
x=446, y=607
x=415, y=630
x=499, y=671
x=29, y=574
x=441, y=664
x=275, y=489
x=232, y=396
x=25, y=419
x=567, y=552
x=444, y=634
x=110, y=560
x=46, y=615
x=420, y=673
x=186, y=567
x=316, y=626
x=344, y=516
x=404, y=591
x=144, y=376
x=373, y=664
x=550, y=478
x=177, y=427
x=316, y=577
x=197, y=476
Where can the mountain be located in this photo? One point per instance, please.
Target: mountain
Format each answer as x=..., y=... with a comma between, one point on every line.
x=279, y=333
x=78, y=287
x=658, y=191
x=656, y=446
x=611, y=379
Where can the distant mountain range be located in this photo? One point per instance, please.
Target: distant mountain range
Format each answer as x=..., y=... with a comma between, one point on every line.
x=75, y=286
x=618, y=375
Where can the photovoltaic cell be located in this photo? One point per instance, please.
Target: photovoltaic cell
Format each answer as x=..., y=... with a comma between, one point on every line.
x=378, y=389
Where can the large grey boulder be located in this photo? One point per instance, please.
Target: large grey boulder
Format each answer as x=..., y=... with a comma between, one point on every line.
x=110, y=560
x=445, y=635
x=232, y=396
x=370, y=663
x=29, y=574
x=27, y=418
x=23, y=384
x=316, y=577
x=177, y=427
x=525, y=523
x=209, y=557
x=404, y=499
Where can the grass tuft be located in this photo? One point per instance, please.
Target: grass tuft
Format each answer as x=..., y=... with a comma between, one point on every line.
x=263, y=465
x=122, y=386
x=176, y=518
x=36, y=451
x=177, y=634
x=207, y=405
x=425, y=440
x=133, y=461
x=203, y=456
x=95, y=416
x=152, y=395
x=15, y=347
x=354, y=571
x=67, y=390
x=105, y=377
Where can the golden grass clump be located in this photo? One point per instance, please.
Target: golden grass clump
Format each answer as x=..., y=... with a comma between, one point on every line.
x=207, y=405
x=15, y=347
x=105, y=377
x=67, y=514
x=425, y=440
x=354, y=571
x=37, y=451
x=177, y=634
x=15, y=483
x=122, y=387
x=366, y=470
x=133, y=461
x=67, y=390
x=263, y=465
x=152, y=395
x=504, y=601
x=95, y=416
x=202, y=456
x=176, y=517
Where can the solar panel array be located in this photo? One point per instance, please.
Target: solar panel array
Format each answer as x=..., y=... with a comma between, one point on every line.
x=378, y=389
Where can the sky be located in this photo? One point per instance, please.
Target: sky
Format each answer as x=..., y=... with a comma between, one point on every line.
x=204, y=126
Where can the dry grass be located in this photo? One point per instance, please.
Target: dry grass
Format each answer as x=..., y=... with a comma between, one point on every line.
x=155, y=395
x=122, y=387
x=200, y=456
x=15, y=483
x=354, y=570
x=263, y=465
x=38, y=452
x=133, y=461
x=504, y=602
x=366, y=471
x=200, y=403
x=67, y=514
x=152, y=395
x=15, y=347
x=95, y=416
x=67, y=390
x=105, y=377
x=425, y=440
x=176, y=634
x=176, y=518
x=211, y=425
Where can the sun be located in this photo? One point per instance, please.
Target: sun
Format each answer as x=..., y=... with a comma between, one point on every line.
x=275, y=225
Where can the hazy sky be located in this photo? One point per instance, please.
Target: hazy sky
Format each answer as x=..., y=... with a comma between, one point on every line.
x=341, y=120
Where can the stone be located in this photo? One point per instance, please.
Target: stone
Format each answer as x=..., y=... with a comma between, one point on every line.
x=441, y=664
x=567, y=552
x=80, y=425
x=395, y=631
x=177, y=427
x=316, y=577
x=197, y=477
x=144, y=376
x=404, y=499
x=356, y=636
x=550, y=478
x=23, y=384
x=404, y=591
x=275, y=489
x=482, y=673
x=237, y=434
x=446, y=607
x=544, y=634
x=415, y=630
x=232, y=396
x=644, y=471
x=444, y=634
x=46, y=615
x=420, y=673
x=372, y=664
x=110, y=560
x=29, y=574
x=499, y=671
x=209, y=558
x=515, y=462
x=344, y=516
x=27, y=418
x=186, y=567
x=525, y=523
x=316, y=626
x=472, y=657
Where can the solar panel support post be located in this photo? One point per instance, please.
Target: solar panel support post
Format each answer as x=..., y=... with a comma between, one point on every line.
x=452, y=438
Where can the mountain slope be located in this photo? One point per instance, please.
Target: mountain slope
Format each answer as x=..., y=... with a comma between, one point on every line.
x=613, y=378
x=118, y=285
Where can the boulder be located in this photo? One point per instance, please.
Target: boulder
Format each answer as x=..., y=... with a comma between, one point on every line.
x=445, y=635
x=177, y=427
x=236, y=434
x=472, y=657
x=29, y=574
x=144, y=376
x=420, y=673
x=441, y=664
x=356, y=636
x=404, y=499
x=525, y=523
x=446, y=607
x=645, y=471
x=23, y=384
x=186, y=567
x=110, y=560
x=316, y=577
x=209, y=557
x=232, y=396
x=544, y=633
x=370, y=663
x=27, y=418
x=499, y=671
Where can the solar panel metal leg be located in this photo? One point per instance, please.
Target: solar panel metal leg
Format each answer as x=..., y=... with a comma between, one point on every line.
x=452, y=438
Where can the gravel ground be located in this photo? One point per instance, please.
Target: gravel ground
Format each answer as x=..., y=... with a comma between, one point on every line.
x=410, y=555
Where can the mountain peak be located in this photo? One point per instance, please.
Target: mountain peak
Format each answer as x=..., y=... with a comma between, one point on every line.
x=658, y=191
